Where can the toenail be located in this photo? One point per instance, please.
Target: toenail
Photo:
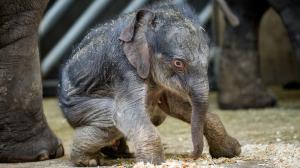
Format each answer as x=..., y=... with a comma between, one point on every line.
x=43, y=156
x=59, y=151
x=92, y=162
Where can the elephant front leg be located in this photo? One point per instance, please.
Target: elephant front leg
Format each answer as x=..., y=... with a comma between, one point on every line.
x=24, y=132
x=221, y=144
x=239, y=82
x=132, y=120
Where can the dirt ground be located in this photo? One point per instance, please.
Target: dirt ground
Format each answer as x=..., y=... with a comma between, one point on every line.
x=269, y=137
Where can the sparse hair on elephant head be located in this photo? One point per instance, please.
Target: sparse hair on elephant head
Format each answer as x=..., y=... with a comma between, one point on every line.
x=170, y=47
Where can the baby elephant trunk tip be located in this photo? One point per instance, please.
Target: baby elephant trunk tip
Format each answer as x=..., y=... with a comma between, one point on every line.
x=197, y=134
x=196, y=154
x=198, y=144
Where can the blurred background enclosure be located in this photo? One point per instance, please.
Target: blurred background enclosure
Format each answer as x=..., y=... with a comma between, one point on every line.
x=278, y=61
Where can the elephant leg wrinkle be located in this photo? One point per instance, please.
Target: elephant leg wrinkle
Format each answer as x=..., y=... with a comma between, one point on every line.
x=25, y=135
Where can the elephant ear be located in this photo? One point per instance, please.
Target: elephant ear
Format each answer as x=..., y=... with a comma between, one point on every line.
x=136, y=47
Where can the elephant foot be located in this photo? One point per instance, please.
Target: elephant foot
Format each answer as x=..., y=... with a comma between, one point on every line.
x=39, y=147
x=88, y=162
x=118, y=150
x=228, y=147
x=255, y=95
x=221, y=144
x=85, y=159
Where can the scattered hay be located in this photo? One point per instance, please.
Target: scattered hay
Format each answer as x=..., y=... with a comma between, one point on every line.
x=274, y=155
x=258, y=155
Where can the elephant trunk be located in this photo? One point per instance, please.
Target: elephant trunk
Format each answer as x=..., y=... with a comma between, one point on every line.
x=199, y=102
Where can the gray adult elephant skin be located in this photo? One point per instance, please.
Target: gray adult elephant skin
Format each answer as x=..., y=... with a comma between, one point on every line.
x=116, y=77
x=239, y=80
x=24, y=132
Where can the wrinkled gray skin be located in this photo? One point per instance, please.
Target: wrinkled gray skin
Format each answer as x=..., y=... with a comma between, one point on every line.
x=24, y=132
x=239, y=80
x=112, y=83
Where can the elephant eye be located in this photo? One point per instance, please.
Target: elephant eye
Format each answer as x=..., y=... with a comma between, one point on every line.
x=178, y=65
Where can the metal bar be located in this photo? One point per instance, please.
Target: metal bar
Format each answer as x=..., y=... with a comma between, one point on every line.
x=52, y=16
x=180, y=1
x=216, y=25
x=232, y=18
x=134, y=4
x=206, y=13
x=66, y=41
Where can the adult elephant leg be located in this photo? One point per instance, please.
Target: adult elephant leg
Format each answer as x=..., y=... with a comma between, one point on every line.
x=221, y=144
x=24, y=132
x=239, y=79
x=290, y=12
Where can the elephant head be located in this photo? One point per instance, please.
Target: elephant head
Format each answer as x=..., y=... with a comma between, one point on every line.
x=171, y=49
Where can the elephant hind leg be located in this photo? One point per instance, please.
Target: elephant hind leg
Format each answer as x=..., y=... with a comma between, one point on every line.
x=87, y=143
x=92, y=119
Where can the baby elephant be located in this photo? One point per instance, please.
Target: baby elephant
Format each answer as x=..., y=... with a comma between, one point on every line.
x=125, y=69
